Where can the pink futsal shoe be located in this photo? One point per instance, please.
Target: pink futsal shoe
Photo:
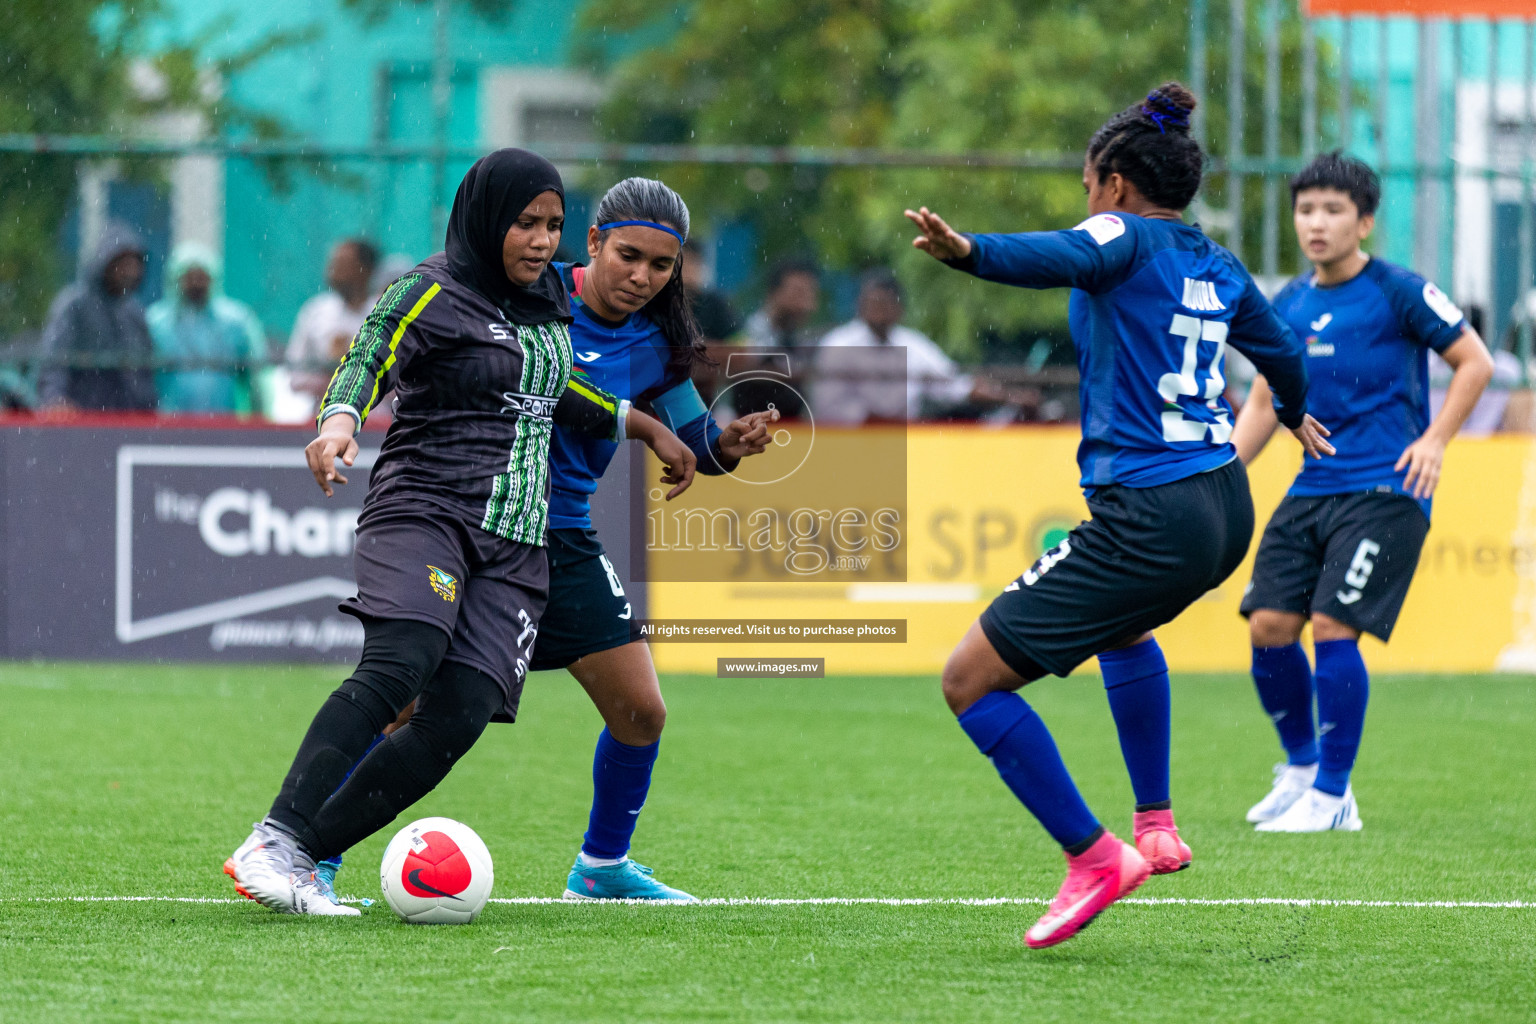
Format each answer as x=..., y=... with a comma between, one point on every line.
x=1101, y=874
x=1157, y=839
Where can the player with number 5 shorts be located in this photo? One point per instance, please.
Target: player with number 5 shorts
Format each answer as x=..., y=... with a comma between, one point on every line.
x=1154, y=305
x=1342, y=547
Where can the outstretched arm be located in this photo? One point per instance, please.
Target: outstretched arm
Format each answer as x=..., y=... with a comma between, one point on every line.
x=1091, y=256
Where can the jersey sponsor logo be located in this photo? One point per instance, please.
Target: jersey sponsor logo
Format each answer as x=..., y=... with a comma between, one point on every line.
x=1441, y=303
x=1319, y=348
x=1201, y=295
x=502, y=332
x=446, y=586
x=1104, y=228
x=540, y=407
x=589, y=357
x=1322, y=321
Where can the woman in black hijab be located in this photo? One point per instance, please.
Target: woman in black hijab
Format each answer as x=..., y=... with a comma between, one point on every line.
x=450, y=566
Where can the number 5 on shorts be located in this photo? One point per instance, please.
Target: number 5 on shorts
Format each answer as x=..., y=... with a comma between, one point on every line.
x=1359, y=573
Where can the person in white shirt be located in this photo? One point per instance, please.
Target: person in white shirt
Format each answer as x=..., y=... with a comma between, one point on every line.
x=327, y=322
x=861, y=374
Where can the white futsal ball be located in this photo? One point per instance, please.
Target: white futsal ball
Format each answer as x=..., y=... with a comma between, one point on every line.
x=436, y=871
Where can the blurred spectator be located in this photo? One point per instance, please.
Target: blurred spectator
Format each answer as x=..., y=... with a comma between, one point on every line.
x=794, y=293
x=96, y=351
x=718, y=319
x=327, y=323
x=395, y=266
x=861, y=373
x=207, y=346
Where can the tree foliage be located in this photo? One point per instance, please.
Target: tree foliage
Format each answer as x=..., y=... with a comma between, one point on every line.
x=65, y=71
x=83, y=67
x=939, y=75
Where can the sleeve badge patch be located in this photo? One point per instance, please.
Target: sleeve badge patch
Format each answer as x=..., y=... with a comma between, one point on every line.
x=1441, y=303
x=1104, y=228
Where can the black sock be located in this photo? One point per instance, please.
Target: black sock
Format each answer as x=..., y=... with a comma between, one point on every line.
x=1079, y=848
x=1161, y=805
x=450, y=715
x=398, y=658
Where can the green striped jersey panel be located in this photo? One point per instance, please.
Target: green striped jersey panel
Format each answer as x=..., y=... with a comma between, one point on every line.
x=518, y=508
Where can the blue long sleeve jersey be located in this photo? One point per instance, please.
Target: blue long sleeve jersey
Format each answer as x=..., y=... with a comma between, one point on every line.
x=630, y=359
x=1154, y=305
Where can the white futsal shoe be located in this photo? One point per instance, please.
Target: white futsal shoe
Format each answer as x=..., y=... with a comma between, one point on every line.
x=310, y=895
x=1317, y=811
x=263, y=868
x=1291, y=782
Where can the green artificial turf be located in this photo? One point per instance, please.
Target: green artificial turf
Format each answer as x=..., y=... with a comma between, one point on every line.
x=139, y=780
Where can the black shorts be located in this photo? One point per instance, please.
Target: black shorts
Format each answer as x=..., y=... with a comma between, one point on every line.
x=419, y=562
x=1349, y=556
x=588, y=610
x=1146, y=555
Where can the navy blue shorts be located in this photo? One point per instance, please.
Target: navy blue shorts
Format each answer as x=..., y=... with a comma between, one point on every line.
x=588, y=610
x=416, y=561
x=1350, y=557
x=1146, y=555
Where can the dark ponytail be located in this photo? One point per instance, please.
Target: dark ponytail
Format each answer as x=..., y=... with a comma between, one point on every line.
x=669, y=309
x=1150, y=146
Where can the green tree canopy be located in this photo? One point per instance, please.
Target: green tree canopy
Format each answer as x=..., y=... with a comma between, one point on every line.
x=947, y=76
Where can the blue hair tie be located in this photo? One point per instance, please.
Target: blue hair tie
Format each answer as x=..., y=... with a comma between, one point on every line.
x=1178, y=119
x=641, y=224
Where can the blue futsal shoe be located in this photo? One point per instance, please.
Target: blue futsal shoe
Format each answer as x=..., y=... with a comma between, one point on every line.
x=625, y=880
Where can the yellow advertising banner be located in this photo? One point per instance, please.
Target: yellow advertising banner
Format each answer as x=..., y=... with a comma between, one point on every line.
x=983, y=503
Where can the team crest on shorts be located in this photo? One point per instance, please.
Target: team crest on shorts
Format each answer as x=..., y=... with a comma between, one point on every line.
x=446, y=586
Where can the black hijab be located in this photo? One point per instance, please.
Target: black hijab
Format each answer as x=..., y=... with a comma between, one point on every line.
x=492, y=195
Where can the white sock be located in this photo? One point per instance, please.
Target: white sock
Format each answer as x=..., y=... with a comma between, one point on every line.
x=586, y=860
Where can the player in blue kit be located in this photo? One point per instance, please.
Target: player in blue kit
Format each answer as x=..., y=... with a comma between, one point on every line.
x=1342, y=547
x=634, y=332
x=1153, y=306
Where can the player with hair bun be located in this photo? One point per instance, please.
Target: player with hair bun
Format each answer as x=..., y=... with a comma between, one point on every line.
x=1153, y=306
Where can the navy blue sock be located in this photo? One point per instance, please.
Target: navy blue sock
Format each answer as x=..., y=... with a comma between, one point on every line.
x=621, y=777
x=335, y=861
x=1343, y=688
x=1283, y=678
x=1136, y=681
x=1009, y=732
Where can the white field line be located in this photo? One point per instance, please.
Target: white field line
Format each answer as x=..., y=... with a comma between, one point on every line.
x=850, y=901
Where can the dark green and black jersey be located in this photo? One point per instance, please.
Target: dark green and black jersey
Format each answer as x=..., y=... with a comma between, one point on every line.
x=475, y=399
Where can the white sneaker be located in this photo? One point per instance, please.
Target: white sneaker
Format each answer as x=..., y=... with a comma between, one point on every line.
x=1317, y=811
x=1291, y=781
x=262, y=868
x=310, y=897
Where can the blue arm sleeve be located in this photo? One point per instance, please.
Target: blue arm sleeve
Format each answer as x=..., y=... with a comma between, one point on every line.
x=1259, y=333
x=682, y=411
x=1425, y=314
x=1092, y=256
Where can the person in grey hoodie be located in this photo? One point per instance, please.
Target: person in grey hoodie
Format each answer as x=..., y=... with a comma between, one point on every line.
x=96, y=352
